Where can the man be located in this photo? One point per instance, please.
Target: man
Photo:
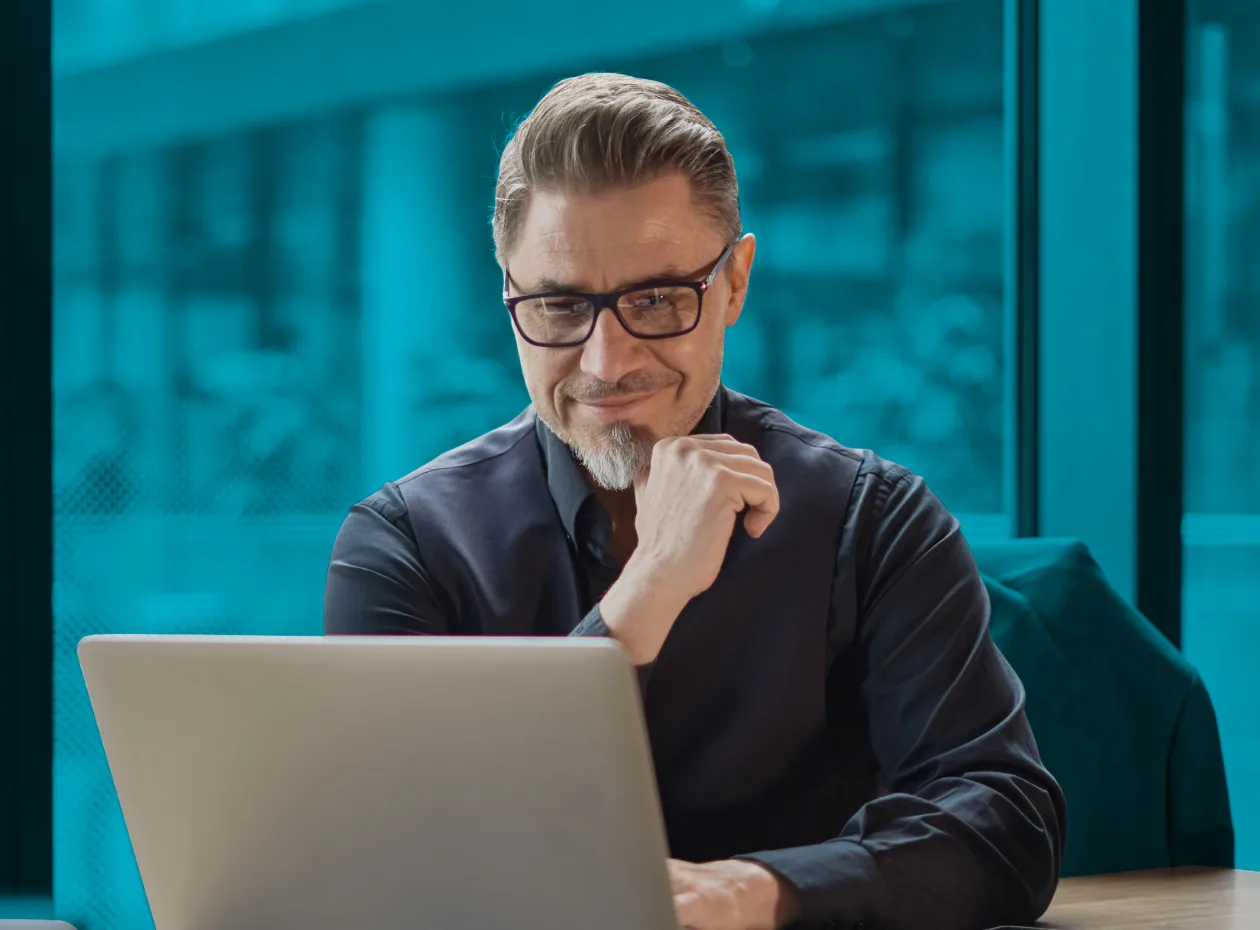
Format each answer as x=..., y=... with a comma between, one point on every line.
x=837, y=741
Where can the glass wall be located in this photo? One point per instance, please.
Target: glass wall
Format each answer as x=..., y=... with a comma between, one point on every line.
x=255, y=328
x=1221, y=531
x=99, y=33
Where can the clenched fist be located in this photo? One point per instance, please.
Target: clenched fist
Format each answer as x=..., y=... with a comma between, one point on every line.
x=687, y=502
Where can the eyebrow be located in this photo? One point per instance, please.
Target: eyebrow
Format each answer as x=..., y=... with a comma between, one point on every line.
x=547, y=285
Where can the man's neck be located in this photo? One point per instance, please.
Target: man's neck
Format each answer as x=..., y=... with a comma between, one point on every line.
x=621, y=510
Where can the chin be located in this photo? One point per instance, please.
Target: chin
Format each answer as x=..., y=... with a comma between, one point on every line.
x=616, y=455
x=618, y=432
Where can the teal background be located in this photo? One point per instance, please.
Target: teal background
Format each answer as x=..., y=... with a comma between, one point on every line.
x=272, y=296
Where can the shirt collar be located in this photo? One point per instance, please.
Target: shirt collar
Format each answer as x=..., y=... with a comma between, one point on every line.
x=567, y=482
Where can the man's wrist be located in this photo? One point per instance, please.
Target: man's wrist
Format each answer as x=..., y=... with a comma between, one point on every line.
x=639, y=609
x=772, y=900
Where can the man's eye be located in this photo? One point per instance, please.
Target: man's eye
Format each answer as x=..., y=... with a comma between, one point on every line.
x=648, y=301
x=569, y=306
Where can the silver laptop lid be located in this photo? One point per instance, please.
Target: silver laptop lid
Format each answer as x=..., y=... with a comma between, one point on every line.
x=424, y=782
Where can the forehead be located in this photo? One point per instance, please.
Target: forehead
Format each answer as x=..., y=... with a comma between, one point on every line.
x=597, y=241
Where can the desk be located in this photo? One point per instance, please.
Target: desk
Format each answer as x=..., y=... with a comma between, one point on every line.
x=1189, y=898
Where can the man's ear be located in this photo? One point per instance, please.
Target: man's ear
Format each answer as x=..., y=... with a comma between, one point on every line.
x=741, y=262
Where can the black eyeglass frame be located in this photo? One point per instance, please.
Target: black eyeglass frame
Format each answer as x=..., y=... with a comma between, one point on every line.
x=609, y=301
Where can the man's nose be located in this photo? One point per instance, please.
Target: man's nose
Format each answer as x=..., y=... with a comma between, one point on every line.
x=611, y=353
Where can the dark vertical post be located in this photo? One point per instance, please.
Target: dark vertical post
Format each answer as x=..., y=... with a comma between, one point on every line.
x=1023, y=259
x=1160, y=238
x=25, y=448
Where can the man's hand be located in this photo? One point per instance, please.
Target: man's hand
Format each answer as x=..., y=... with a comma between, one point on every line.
x=732, y=894
x=687, y=503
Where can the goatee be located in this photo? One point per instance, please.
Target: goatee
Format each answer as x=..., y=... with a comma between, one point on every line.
x=616, y=457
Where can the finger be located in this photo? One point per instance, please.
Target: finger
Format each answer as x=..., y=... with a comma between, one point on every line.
x=758, y=494
x=760, y=513
x=688, y=907
x=753, y=491
x=718, y=444
x=724, y=442
x=757, y=467
x=757, y=522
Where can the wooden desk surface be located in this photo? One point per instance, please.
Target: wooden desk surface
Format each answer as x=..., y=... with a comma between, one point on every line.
x=1162, y=899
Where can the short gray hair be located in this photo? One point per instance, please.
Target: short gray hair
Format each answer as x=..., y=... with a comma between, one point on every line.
x=597, y=131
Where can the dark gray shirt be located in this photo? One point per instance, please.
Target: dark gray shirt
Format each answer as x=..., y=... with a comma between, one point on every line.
x=926, y=805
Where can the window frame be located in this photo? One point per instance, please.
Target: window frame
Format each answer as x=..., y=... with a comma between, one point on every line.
x=26, y=646
x=1022, y=127
x=1162, y=27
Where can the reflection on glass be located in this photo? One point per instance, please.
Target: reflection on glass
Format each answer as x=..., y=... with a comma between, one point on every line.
x=255, y=329
x=1221, y=531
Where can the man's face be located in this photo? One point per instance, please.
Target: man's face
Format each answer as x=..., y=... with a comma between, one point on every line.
x=613, y=397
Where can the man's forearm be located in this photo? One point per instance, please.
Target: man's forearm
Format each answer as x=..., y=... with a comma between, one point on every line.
x=912, y=861
x=638, y=611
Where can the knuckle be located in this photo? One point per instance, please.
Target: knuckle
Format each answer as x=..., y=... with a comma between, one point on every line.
x=703, y=462
x=714, y=479
x=681, y=447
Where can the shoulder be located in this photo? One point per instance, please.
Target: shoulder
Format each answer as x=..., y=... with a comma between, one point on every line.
x=467, y=464
x=497, y=449
x=754, y=417
x=888, y=505
x=767, y=425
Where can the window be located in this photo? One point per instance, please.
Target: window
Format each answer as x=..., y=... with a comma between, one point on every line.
x=1221, y=529
x=870, y=156
x=247, y=341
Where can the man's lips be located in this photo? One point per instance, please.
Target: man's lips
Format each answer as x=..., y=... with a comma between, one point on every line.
x=617, y=406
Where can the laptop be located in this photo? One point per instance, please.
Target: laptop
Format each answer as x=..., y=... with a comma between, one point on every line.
x=428, y=783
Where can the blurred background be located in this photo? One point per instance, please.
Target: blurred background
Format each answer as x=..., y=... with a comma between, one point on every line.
x=273, y=296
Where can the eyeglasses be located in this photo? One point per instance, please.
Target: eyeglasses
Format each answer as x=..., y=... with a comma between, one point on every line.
x=657, y=310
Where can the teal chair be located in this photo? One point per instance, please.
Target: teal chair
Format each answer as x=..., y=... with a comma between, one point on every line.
x=1121, y=718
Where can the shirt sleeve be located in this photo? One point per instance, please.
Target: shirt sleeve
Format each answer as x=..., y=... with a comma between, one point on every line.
x=377, y=583
x=970, y=833
x=593, y=625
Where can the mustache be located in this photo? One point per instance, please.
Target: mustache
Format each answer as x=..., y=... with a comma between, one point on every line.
x=588, y=389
